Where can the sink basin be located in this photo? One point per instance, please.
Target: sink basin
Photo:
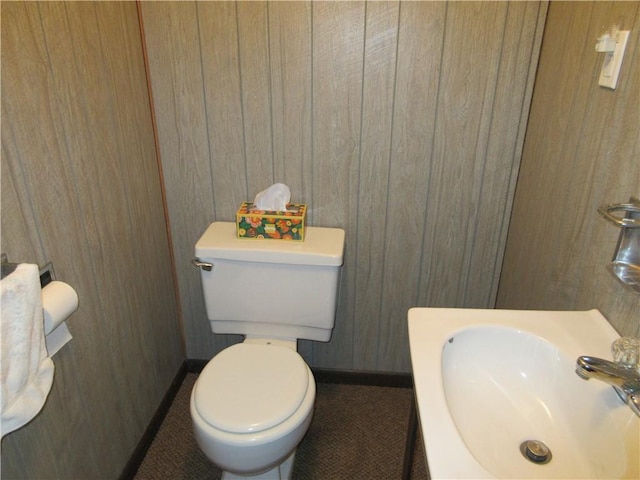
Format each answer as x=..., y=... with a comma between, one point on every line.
x=487, y=381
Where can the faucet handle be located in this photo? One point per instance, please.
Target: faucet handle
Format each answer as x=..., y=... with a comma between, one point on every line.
x=626, y=352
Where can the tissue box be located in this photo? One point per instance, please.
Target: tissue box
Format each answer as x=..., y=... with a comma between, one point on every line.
x=289, y=225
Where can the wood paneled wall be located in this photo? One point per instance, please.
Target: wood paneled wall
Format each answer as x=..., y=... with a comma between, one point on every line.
x=582, y=151
x=401, y=122
x=81, y=189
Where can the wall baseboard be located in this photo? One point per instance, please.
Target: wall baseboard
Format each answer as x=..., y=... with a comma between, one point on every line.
x=348, y=377
x=195, y=365
x=149, y=434
x=356, y=377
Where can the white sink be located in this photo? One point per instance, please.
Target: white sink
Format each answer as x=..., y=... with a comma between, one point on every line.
x=488, y=380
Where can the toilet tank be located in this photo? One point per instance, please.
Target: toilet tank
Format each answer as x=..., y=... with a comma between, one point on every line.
x=273, y=288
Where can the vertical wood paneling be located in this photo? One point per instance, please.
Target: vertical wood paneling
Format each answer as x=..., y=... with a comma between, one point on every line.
x=579, y=163
x=421, y=30
x=290, y=55
x=561, y=85
x=180, y=111
x=290, y=40
x=582, y=151
x=253, y=44
x=101, y=140
x=143, y=221
x=80, y=175
x=17, y=219
x=338, y=38
x=338, y=45
x=23, y=448
x=377, y=120
x=218, y=27
x=79, y=117
x=524, y=27
x=348, y=100
x=469, y=70
x=40, y=164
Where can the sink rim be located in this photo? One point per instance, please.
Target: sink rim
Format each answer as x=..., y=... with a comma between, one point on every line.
x=573, y=332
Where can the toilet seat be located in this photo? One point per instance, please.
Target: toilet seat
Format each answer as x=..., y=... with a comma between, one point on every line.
x=249, y=388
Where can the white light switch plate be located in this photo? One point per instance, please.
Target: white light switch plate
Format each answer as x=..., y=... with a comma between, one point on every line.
x=613, y=61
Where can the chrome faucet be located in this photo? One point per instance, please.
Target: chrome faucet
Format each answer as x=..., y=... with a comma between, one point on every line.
x=625, y=380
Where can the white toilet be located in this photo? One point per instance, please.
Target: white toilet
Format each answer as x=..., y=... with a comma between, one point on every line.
x=253, y=402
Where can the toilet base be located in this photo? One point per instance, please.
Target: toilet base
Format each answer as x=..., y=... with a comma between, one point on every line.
x=279, y=472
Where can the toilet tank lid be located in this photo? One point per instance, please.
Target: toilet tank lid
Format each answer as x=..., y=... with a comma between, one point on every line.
x=321, y=246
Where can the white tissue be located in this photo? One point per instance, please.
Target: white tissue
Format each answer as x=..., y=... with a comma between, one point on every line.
x=59, y=301
x=275, y=198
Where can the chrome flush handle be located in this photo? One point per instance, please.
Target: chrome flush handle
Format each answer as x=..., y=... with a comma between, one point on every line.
x=203, y=265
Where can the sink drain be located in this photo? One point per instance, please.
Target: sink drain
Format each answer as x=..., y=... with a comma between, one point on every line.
x=535, y=451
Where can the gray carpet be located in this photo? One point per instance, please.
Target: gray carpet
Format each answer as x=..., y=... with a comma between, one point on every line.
x=357, y=432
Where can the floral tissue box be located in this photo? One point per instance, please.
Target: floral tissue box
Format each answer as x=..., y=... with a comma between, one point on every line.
x=289, y=225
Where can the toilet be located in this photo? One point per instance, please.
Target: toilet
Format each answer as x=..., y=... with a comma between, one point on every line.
x=253, y=402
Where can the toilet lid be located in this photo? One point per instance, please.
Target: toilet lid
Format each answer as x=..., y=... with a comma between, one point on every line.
x=250, y=388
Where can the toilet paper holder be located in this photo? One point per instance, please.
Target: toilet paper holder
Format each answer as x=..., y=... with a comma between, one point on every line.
x=56, y=331
x=7, y=267
x=47, y=275
x=625, y=265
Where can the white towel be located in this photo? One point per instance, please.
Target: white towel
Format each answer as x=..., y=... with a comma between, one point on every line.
x=27, y=371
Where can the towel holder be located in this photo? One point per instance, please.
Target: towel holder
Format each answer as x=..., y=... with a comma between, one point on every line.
x=629, y=221
x=625, y=265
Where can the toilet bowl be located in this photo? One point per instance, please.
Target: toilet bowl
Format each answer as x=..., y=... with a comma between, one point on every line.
x=251, y=406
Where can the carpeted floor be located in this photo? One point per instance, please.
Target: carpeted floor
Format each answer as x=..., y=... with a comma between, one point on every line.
x=357, y=432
